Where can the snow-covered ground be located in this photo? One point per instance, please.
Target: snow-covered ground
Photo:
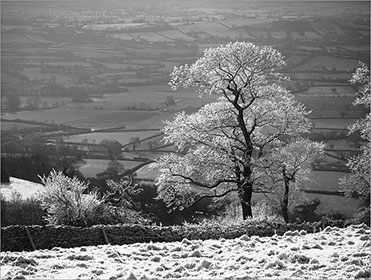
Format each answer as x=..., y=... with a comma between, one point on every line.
x=331, y=254
x=24, y=188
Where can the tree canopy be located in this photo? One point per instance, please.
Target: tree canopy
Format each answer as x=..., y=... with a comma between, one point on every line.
x=222, y=145
x=359, y=179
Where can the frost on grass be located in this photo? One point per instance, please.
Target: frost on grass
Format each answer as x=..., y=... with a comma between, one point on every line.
x=344, y=254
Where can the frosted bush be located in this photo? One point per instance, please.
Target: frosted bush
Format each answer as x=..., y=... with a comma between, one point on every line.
x=68, y=202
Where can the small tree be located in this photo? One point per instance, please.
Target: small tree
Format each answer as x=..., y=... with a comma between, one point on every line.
x=222, y=142
x=359, y=179
x=14, y=102
x=115, y=168
x=287, y=168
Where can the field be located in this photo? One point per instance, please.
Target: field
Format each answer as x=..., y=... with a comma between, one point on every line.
x=150, y=36
x=333, y=123
x=336, y=91
x=122, y=36
x=117, y=26
x=16, y=125
x=320, y=76
x=35, y=73
x=92, y=167
x=14, y=38
x=322, y=62
x=95, y=119
x=176, y=35
x=213, y=29
x=38, y=39
x=49, y=100
x=330, y=254
x=10, y=79
x=123, y=137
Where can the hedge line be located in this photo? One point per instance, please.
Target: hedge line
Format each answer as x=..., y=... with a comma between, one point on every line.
x=23, y=238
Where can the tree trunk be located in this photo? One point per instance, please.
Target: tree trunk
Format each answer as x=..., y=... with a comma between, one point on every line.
x=245, y=199
x=285, y=202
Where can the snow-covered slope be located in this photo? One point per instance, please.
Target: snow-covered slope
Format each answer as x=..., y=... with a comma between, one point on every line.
x=331, y=254
x=26, y=188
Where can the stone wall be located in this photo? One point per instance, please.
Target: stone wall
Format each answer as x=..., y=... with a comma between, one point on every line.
x=24, y=238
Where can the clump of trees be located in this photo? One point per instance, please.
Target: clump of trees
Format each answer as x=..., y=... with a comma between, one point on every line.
x=114, y=148
x=248, y=141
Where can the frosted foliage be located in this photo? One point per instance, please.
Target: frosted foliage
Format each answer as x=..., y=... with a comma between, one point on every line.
x=359, y=179
x=235, y=65
x=221, y=145
x=66, y=203
x=292, y=162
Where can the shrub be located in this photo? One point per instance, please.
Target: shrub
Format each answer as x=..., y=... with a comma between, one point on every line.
x=16, y=211
x=362, y=216
x=120, y=204
x=263, y=210
x=305, y=211
x=266, y=210
x=68, y=201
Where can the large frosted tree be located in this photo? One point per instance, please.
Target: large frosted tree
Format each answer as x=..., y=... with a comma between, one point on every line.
x=222, y=145
x=359, y=179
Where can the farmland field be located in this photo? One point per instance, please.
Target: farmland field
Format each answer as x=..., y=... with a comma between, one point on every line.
x=38, y=39
x=150, y=36
x=130, y=119
x=309, y=35
x=321, y=62
x=94, y=119
x=50, y=100
x=116, y=74
x=68, y=63
x=35, y=73
x=118, y=66
x=122, y=36
x=9, y=38
x=329, y=181
x=330, y=90
x=16, y=125
x=333, y=123
x=278, y=34
x=8, y=78
x=117, y=26
x=123, y=137
x=92, y=167
x=212, y=28
x=321, y=76
x=335, y=204
x=176, y=35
